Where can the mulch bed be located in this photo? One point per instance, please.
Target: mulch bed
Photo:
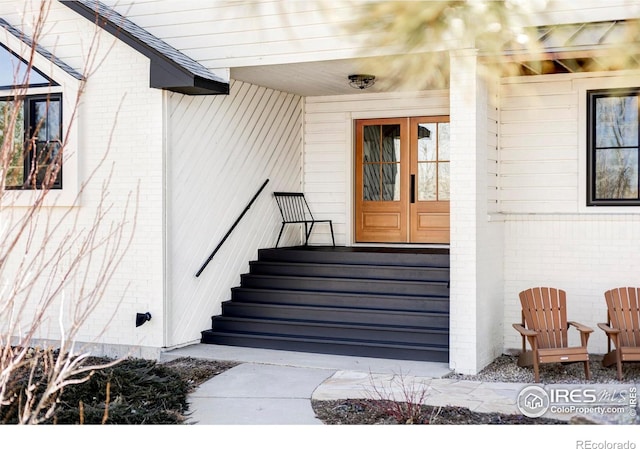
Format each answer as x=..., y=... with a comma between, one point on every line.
x=135, y=391
x=359, y=411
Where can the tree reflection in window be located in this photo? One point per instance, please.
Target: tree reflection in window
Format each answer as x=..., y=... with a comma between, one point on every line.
x=613, y=157
x=381, y=163
x=34, y=161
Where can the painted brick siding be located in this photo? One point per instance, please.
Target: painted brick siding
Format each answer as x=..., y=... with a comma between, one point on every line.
x=551, y=237
x=583, y=255
x=120, y=120
x=475, y=242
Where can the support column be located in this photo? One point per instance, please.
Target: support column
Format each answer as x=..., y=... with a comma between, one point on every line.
x=476, y=243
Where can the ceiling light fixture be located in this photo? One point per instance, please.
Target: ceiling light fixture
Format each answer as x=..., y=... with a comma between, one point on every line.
x=361, y=81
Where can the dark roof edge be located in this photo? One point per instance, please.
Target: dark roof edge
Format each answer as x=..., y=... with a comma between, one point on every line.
x=44, y=53
x=183, y=75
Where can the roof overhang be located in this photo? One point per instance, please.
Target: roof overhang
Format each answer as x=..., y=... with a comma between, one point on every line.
x=578, y=47
x=170, y=69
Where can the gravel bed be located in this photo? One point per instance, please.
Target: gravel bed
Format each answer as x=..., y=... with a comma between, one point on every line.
x=506, y=369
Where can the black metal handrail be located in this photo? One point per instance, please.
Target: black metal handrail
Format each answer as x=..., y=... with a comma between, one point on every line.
x=233, y=226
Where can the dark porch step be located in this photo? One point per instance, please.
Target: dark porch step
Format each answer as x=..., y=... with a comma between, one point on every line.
x=335, y=314
x=337, y=299
x=431, y=257
x=330, y=346
x=338, y=331
x=391, y=272
x=412, y=288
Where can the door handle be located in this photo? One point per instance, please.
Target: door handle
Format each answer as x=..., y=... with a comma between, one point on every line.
x=413, y=189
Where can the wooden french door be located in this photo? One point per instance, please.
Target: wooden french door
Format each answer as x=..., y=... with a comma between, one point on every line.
x=402, y=180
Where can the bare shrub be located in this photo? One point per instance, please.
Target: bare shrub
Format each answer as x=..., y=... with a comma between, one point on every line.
x=53, y=261
x=402, y=399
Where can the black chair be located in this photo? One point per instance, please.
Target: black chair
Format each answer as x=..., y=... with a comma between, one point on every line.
x=295, y=210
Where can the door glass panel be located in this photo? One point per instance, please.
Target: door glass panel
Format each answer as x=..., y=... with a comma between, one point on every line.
x=443, y=142
x=443, y=181
x=391, y=143
x=391, y=182
x=371, y=181
x=427, y=181
x=371, y=143
x=381, y=168
x=427, y=142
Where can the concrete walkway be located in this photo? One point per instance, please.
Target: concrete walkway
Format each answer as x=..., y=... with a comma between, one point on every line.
x=276, y=387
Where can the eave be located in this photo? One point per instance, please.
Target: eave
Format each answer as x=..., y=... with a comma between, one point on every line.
x=170, y=69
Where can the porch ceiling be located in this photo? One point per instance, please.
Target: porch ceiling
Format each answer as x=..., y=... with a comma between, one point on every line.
x=330, y=77
x=567, y=48
x=310, y=78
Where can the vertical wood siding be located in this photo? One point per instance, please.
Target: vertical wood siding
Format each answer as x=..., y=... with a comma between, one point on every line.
x=220, y=151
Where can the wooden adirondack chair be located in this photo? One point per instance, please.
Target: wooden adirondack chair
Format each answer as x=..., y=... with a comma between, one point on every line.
x=545, y=326
x=622, y=327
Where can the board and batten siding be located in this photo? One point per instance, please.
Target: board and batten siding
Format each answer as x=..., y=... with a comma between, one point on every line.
x=328, y=148
x=551, y=238
x=220, y=151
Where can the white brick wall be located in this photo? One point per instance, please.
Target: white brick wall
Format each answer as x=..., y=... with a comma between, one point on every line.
x=120, y=120
x=476, y=243
x=583, y=255
x=551, y=237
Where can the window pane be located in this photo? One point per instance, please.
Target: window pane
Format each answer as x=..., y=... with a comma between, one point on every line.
x=371, y=143
x=15, y=171
x=371, y=187
x=617, y=122
x=47, y=165
x=391, y=182
x=443, y=181
x=45, y=126
x=391, y=143
x=427, y=181
x=53, y=122
x=13, y=71
x=46, y=120
x=427, y=142
x=617, y=174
